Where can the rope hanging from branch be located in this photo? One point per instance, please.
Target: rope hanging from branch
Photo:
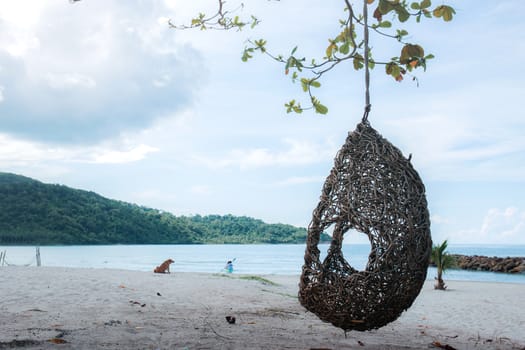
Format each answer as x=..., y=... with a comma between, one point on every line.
x=373, y=189
x=368, y=106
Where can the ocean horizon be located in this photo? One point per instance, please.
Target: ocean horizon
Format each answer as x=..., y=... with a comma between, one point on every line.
x=260, y=259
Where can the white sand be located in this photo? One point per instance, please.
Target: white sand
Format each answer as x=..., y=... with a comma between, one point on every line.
x=118, y=309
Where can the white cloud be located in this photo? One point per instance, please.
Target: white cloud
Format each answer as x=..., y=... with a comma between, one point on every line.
x=502, y=226
x=86, y=72
x=27, y=12
x=299, y=180
x=162, y=80
x=16, y=153
x=70, y=80
x=17, y=24
x=118, y=157
x=296, y=152
x=20, y=43
x=1, y=93
x=200, y=190
x=507, y=224
x=437, y=219
x=463, y=138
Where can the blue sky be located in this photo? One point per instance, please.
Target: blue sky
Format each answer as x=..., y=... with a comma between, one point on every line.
x=101, y=95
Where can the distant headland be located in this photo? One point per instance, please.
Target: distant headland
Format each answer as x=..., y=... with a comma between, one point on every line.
x=35, y=213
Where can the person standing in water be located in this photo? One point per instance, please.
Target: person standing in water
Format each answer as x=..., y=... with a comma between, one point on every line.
x=229, y=266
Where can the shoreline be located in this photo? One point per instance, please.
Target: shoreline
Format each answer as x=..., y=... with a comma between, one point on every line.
x=251, y=259
x=87, y=308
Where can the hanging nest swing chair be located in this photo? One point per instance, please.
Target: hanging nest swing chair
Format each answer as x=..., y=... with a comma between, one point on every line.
x=374, y=189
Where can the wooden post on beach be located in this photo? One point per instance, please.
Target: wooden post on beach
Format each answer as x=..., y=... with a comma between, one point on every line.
x=2, y=257
x=37, y=256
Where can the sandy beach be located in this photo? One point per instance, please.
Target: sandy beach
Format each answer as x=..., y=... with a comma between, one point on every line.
x=72, y=308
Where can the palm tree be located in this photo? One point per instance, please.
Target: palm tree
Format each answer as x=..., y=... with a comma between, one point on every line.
x=443, y=261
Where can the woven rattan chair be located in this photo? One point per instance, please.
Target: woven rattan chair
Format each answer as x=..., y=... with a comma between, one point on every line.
x=373, y=189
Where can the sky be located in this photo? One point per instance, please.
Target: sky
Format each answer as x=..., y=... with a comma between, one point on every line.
x=102, y=95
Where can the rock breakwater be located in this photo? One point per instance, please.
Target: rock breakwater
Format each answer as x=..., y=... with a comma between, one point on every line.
x=493, y=264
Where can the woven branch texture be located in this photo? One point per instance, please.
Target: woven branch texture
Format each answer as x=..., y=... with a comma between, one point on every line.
x=373, y=189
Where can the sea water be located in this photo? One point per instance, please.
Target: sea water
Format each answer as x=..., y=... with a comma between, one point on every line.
x=282, y=259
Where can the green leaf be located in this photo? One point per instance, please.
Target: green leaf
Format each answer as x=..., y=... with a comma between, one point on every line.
x=246, y=54
x=341, y=37
x=358, y=61
x=385, y=7
x=385, y=24
x=260, y=44
x=448, y=13
x=414, y=6
x=330, y=49
x=409, y=52
x=345, y=48
x=402, y=14
x=255, y=21
x=393, y=69
x=287, y=65
x=196, y=22
x=293, y=107
x=444, y=11
x=289, y=106
x=425, y=4
x=297, y=64
x=402, y=33
x=237, y=23
x=307, y=83
x=319, y=108
x=304, y=84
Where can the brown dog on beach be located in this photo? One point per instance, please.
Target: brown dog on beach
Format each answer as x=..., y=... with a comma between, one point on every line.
x=164, y=267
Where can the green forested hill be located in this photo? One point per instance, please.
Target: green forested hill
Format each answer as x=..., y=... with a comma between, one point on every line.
x=32, y=212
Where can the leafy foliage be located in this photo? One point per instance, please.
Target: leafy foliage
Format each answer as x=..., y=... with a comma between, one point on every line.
x=220, y=20
x=443, y=261
x=32, y=212
x=346, y=45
